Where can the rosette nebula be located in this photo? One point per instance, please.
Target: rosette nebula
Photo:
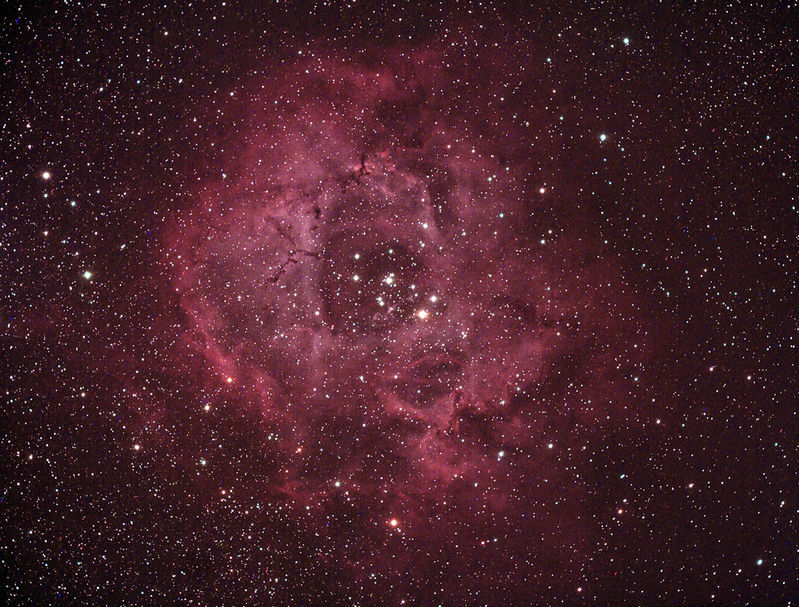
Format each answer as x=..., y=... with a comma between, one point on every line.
x=417, y=318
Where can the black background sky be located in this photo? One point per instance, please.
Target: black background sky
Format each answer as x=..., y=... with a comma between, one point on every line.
x=663, y=140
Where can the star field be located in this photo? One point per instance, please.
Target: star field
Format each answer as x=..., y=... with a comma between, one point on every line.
x=370, y=304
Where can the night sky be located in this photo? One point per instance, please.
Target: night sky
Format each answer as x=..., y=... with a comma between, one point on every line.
x=399, y=304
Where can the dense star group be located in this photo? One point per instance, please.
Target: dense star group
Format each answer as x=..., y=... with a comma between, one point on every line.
x=349, y=304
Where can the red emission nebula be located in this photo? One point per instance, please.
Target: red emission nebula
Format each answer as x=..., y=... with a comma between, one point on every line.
x=422, y=329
